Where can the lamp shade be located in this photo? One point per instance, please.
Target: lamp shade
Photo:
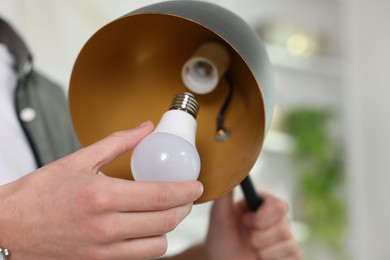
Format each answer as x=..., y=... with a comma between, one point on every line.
x=129, y=70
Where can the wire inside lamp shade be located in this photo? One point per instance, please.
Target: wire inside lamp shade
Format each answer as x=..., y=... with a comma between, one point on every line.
x=129, y=70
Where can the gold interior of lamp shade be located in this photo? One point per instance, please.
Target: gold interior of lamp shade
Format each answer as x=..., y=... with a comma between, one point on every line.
x=129, y=71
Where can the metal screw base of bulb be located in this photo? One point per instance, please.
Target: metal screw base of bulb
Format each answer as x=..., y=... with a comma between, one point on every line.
x=185, y=102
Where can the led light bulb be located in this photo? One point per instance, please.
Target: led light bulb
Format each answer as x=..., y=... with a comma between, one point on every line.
x=169, y=152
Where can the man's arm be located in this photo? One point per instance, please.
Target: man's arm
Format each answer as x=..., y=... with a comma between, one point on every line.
x=64, y=210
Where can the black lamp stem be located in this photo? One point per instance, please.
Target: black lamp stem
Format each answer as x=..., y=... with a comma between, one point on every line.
x=254, y=201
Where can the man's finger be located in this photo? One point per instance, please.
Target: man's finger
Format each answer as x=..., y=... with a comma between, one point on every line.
x=130, y=196
x=127, y=225
x=223, y=206
x=140, y=248
x=270, y=236
x=268, y=214
x=106, y=150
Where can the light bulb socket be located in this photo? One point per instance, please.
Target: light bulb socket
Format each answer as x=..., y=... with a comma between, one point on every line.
x=185, y=102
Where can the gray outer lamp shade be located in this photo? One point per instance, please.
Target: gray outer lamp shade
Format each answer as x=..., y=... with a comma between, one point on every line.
x=130, y=68
x=236, y=32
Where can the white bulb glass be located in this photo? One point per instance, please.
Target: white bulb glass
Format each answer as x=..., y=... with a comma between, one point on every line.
x=169, y=152
x=165, y=157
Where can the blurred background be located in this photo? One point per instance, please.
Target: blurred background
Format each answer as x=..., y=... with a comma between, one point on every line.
x=327, y=152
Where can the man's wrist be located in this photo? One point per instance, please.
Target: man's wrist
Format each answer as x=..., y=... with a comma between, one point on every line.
x=4, y=253
x=5, y=190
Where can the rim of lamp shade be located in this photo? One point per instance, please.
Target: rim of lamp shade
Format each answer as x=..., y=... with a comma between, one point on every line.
x=129, y=70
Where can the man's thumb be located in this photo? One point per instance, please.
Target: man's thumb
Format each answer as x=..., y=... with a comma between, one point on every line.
x=106, y=150
x=222, y=208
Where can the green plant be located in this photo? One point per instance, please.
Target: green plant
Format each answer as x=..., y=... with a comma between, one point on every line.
x=319, y=163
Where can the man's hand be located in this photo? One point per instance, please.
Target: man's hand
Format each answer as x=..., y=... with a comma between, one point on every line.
x=66, y=211
x=237, y=233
